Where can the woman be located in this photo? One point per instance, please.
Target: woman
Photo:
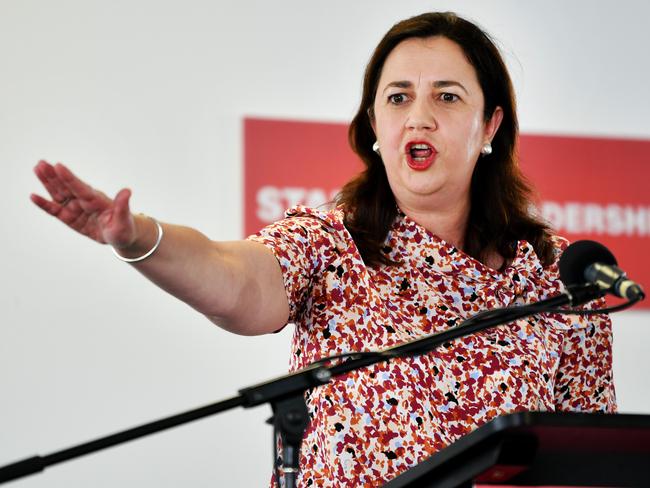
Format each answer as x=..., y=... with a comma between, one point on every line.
x=436, y=229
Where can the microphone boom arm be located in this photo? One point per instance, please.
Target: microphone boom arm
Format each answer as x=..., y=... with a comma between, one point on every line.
x=284, y=392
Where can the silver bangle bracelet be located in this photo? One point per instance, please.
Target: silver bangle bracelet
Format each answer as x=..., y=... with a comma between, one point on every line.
x=148, y=253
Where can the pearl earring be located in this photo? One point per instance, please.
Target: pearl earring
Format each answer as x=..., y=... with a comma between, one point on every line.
x=375, y=147
x=486, y=150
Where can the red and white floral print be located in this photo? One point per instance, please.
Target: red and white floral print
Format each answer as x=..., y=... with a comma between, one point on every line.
x=370, y=425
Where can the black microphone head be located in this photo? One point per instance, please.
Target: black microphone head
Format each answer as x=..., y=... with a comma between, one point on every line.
x=578, y=256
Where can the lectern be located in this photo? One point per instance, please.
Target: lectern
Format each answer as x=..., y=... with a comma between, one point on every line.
x=539, y=448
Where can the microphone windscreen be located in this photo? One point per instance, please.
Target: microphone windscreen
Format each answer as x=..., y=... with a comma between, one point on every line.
x=578, y=256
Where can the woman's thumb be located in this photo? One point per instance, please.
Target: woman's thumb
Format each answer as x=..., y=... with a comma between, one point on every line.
x=121, y=201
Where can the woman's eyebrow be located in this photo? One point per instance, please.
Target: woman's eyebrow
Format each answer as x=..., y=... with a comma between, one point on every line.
x=446, y=83
x=435, y=84
x=398, y=84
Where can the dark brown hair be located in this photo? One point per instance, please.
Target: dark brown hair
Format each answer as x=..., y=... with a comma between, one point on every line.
x=500, y=195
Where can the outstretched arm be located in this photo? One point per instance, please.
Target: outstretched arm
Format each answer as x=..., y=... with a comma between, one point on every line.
x=238, y=285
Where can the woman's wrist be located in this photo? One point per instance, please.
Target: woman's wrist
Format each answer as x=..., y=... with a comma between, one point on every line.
x=148, y=233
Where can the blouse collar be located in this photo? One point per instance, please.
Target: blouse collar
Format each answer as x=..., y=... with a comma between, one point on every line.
x=523, y=277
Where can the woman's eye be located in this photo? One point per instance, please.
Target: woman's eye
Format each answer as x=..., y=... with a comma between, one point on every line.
x=397, y=98
x=449, y=97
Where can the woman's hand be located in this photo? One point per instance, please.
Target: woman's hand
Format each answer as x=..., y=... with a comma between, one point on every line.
x=84, y=209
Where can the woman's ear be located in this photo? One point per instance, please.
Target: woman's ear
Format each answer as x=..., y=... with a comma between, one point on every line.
x=493, y=124
x=371, y=118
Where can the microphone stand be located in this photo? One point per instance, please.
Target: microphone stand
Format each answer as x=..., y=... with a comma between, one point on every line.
x=286, y=393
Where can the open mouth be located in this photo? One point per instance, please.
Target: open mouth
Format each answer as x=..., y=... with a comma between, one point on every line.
x=420, y=155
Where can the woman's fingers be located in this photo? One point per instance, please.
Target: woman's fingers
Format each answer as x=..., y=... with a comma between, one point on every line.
x=69, y=212
x=50, y=207
x=74, y=185
x=65, y=188
x=55, y=187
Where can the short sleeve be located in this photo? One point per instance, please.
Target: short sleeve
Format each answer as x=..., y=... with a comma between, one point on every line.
x=301, y=245
x=584, y=381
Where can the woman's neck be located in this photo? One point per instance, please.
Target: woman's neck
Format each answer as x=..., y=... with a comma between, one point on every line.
x=448, y=224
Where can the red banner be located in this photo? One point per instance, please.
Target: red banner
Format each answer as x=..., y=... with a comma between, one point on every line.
x=589, y=188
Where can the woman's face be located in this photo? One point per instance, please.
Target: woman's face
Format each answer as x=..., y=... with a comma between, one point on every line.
x=428, y=119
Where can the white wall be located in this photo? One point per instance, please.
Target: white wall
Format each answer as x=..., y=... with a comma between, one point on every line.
x=151, y=94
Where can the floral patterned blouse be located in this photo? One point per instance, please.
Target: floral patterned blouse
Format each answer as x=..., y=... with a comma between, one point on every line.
x=371, y=425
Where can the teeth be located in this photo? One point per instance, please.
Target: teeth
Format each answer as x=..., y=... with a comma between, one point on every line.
x=420, y=146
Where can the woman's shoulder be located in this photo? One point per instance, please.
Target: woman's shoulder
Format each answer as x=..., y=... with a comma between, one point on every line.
x=559, y=244
x=528, y=257
x=308, y=225
x=329, y=215
x=319, y=222
x=551, y=270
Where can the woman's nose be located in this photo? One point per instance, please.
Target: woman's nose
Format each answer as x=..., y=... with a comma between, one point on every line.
x=421, y=116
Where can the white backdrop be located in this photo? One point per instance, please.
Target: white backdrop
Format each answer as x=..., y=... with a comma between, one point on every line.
x=151, y=94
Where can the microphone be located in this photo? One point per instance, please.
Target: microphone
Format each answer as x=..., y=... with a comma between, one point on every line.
x=591, y=262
